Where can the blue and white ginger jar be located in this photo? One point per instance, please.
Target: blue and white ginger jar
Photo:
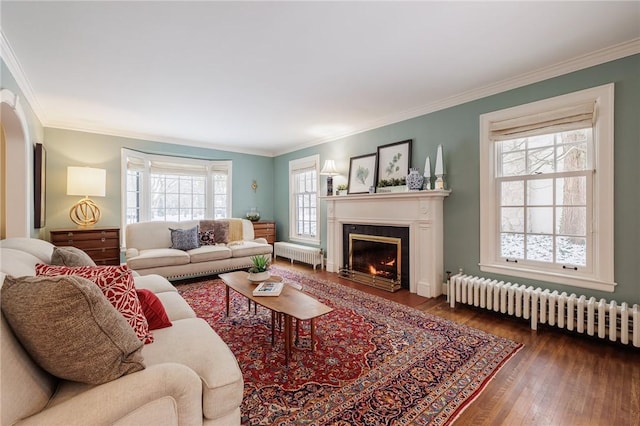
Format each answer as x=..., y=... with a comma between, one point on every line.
x=414, y=180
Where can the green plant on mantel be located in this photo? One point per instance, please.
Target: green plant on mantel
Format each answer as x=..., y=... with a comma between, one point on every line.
x=392, y=182
x=260, y=264
x=342, y=187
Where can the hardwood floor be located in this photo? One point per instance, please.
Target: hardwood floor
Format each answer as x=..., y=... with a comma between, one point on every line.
x=558, y=378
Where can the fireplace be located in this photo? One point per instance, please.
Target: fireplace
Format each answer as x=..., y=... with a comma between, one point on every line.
x=418, y=211
x=377, y=255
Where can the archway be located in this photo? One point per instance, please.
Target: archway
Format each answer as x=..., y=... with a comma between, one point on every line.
x=16, y=167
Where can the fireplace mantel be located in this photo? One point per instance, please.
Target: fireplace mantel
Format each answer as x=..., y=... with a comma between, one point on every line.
x=420, y=211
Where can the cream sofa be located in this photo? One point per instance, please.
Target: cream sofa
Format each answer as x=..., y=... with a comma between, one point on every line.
x=191, y=375
x=148, y=250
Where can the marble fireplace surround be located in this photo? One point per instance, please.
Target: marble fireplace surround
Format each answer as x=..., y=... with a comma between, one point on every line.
x=420, y=211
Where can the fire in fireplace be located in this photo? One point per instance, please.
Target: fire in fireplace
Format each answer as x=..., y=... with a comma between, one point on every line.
x=375, y=256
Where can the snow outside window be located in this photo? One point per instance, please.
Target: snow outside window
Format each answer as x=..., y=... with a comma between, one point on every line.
x=546, y=185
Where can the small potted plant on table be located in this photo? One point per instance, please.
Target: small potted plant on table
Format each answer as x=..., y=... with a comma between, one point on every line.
x=260, y=269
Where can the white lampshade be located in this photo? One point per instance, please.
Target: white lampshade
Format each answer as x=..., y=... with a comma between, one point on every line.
x=86, y=181
x=329, y=168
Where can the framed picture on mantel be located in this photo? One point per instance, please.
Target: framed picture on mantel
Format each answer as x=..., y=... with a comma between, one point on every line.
x=361, y=173
x=393, y=161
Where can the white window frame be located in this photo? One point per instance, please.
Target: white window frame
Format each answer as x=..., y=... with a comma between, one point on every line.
x=211, y=166
x=312, y=162
x=599, y=275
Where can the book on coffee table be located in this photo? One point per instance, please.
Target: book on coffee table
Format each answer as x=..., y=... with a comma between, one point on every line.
x=268, y=288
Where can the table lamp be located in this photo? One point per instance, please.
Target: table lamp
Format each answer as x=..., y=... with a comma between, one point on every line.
x=329, y=169
x=85, y=181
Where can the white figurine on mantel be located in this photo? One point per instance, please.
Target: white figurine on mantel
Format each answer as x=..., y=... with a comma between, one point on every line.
x=439, y=169
x=427, y=174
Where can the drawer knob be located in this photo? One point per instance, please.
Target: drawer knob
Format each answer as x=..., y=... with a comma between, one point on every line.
x=70, y=234
x=103, y=239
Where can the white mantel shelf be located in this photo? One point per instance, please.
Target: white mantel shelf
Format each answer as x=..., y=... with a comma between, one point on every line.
x=420, y=211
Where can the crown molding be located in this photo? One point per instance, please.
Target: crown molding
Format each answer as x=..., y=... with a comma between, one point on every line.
x=608, y=54
x=156, y=138
x=10, y=59
x=598, y=57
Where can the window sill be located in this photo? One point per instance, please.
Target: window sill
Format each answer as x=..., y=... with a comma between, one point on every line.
x=311, y=241
x=588, y=282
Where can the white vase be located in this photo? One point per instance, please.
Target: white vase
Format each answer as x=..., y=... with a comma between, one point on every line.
x=259, y=276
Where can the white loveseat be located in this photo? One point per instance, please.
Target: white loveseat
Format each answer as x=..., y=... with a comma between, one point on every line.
x=191, y=375
x=148, y=249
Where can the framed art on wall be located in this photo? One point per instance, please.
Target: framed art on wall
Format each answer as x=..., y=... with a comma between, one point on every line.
x=394, y=160
x=361, y=173
x=39, y=185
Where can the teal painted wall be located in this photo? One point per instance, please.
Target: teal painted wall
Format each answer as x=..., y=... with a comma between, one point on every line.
x=72, y=148
x=457, y=129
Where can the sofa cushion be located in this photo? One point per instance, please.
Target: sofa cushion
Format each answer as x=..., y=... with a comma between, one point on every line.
x=153, y=309
x=193, y=343
x=70, y=256
x=70, y=329
x=39, y=248
x=116, y=283
x=184, y=239
x=250, y=248
x=152, y=258
x=155, y=283
x=207, y=253
x=176, y=307
x=17, y=262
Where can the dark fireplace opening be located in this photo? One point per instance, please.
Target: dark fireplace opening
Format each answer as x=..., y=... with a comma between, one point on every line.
x=376, y=255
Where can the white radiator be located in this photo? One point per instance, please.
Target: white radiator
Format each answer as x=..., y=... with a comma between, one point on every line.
x=311, y=255
x=617, y=322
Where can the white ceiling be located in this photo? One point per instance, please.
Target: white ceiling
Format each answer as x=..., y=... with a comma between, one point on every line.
x=270, y=77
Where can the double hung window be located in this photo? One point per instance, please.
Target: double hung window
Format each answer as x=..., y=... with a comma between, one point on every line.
x=546, y=190
x=303, y=204
x=158, y=187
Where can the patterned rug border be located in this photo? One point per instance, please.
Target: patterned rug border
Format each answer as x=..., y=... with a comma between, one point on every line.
x=413, y=311
x=440, y=405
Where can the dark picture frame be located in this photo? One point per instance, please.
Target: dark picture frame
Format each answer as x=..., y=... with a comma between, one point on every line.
x=362, y=173
x=39, y=185
x=394, y=160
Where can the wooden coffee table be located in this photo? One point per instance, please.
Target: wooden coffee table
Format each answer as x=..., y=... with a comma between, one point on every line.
x=292, y=303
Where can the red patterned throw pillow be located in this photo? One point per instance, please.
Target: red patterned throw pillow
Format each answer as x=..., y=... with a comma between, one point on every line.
x=116, y=283
x=153, y=309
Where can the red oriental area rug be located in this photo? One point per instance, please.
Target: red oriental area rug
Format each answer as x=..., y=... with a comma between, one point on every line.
x=375, y=362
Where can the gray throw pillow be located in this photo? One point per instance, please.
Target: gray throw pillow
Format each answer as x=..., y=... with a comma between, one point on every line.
x=70, y=256
x=70, y=329
x=185, y=239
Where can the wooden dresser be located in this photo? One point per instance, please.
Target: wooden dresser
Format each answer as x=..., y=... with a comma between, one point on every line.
x=265, y=229
x=101, y=244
